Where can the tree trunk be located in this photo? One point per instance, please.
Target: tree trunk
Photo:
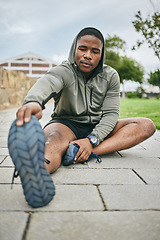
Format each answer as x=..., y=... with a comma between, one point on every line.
x=123, y=90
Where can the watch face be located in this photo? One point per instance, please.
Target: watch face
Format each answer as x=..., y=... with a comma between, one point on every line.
x=94, y=140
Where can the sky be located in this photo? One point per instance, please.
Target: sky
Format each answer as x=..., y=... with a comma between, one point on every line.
x=48, y=27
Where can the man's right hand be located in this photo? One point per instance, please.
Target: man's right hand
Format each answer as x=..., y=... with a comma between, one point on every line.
x=24, y=113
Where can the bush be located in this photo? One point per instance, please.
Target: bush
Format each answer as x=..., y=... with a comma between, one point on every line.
x=134, y=95
x=158, y=97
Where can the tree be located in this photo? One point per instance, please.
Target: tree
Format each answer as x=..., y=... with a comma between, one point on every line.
x=114, y=43
x=127, y=68
x=130, y=69
x=113, y=59
x=150, y=30
x=154, y=78
x=149, y=27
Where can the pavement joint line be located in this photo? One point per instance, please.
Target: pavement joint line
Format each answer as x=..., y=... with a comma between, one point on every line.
x=135, y=210
x=10, y=184
x=104, y=204
x=130, y=168
x=4, y=159
x=81, y=184
x=7, y=167
x=142, y=147
x=139, y=176
x=119, y=154
x=109, y=168
x=31, y=212
x=27, y=226
x=157, y=140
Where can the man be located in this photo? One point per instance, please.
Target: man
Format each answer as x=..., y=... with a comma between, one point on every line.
x=85, y=117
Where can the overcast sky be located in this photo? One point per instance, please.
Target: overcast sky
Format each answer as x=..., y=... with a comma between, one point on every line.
x=47, y=27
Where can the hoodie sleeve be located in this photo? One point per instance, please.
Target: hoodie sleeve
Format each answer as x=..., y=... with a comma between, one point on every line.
x=110, y=109
x=46, y=87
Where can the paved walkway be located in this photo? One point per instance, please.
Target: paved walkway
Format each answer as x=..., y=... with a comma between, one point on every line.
x=118, y=199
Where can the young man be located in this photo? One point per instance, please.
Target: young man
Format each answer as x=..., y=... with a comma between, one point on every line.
x=86, y=112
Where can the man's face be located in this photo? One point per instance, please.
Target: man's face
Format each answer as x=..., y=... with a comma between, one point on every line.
x=88, y=53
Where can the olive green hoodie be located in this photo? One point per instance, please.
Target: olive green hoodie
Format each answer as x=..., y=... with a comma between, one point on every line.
x=93, y=100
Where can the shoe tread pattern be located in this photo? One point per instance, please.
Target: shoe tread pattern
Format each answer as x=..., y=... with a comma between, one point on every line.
x=26, y=146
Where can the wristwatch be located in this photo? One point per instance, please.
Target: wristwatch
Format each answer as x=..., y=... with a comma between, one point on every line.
x=93, y=140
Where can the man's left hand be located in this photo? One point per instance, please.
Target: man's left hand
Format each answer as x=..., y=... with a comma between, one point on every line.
x=85, y=149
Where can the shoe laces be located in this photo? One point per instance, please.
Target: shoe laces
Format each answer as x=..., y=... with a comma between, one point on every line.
x=47, y=161
x=99, y=160
x=15, y=175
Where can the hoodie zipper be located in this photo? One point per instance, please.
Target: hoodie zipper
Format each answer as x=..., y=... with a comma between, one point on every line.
x=87, y=112
x=86, y=96
x=91, y=93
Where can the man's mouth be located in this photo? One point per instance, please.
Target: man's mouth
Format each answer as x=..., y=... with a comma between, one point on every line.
x=86, y=64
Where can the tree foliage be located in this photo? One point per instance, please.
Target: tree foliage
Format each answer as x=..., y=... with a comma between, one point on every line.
x=154, y=78
x=115, y=43
x=150, y=30
x=130, y=69
x=127, y=68
x=112, y=59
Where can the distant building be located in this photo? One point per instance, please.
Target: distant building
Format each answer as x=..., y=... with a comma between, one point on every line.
x=30, y=63
x=152, y=89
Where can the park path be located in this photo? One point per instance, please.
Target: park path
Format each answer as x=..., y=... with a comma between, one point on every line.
x=117, y=199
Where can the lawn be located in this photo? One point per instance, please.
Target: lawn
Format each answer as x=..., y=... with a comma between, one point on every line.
x=149, y=108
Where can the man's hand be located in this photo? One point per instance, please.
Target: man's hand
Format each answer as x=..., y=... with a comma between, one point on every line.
x=85, y=149
x=24, y=113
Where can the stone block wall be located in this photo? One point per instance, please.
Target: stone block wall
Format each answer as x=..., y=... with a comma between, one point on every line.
x=14, y=86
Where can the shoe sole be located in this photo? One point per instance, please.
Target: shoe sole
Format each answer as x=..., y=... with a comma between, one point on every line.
x=26, y=146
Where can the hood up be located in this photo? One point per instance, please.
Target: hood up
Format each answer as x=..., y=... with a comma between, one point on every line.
x=71, y=57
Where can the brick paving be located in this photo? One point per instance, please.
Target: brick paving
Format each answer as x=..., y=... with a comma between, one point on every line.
x=117, y=199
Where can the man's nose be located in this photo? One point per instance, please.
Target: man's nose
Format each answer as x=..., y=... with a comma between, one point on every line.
x=88, y=55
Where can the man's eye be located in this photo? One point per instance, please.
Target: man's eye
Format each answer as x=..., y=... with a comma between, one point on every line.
x=96, y=52
x=82, y=49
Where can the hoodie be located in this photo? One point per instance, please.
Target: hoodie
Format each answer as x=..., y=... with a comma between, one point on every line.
x=95, y=100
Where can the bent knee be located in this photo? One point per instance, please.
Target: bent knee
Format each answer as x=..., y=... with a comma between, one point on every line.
x=148, y=126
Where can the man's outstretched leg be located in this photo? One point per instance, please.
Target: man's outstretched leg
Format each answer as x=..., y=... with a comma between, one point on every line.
x=28, y=150
x=126, y=134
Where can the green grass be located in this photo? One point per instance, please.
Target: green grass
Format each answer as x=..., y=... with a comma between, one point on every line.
x=149, y=108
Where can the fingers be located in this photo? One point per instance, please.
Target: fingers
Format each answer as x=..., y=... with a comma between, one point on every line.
x=39, y=114
x=24, y=113
x=85, y=149
x=81, y=156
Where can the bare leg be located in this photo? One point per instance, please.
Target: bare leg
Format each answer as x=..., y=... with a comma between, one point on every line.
x=126, y=134
x=58, y=137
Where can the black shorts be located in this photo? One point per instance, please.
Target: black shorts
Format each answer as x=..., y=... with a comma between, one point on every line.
x=81, y=130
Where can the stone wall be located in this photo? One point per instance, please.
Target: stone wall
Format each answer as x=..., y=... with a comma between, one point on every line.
x=14, y=86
